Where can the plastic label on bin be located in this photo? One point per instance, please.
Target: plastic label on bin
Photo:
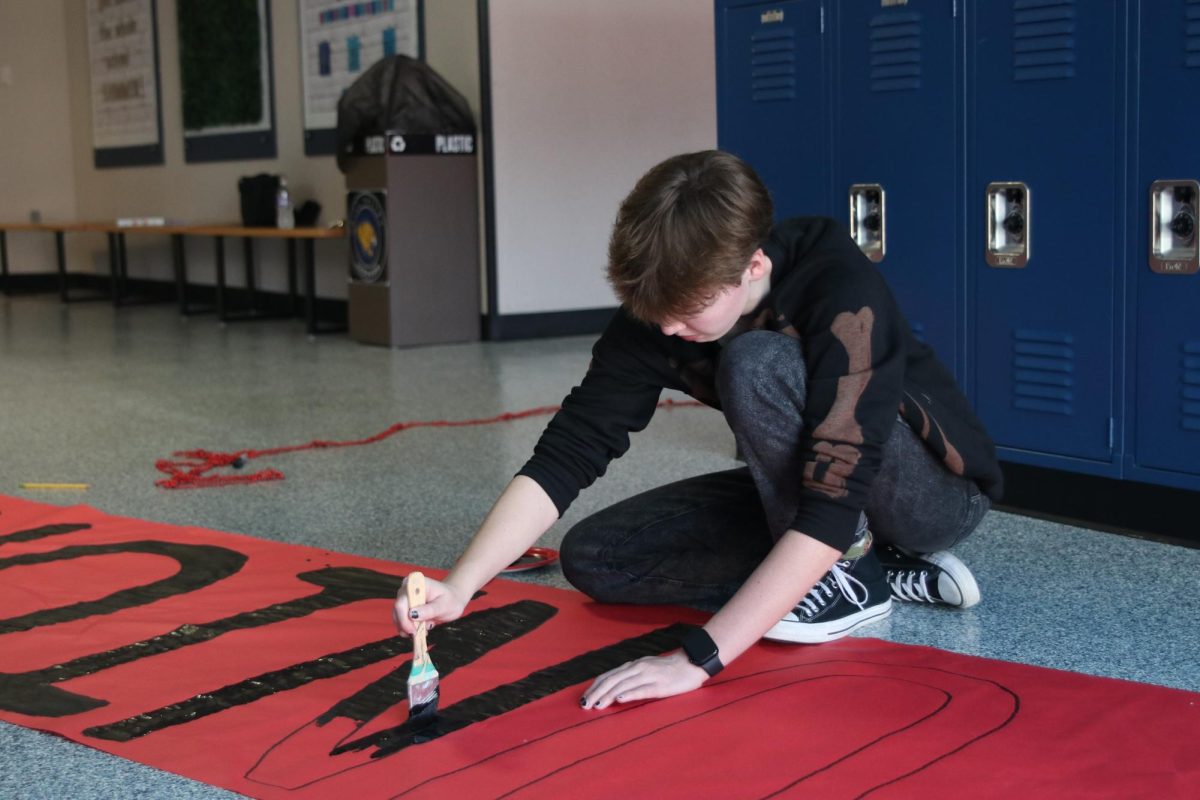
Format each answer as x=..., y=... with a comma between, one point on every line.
x=416, y=144
x=441, y=144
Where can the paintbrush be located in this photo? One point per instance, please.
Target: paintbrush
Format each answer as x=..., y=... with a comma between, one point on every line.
x=423, y=680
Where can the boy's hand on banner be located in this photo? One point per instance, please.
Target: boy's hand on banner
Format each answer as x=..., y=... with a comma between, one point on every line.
x=644, y=679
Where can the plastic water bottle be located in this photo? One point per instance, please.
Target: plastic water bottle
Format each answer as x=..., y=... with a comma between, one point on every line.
x=284, y=216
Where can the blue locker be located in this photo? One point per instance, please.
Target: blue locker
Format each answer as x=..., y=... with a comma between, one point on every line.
x=1046, y=221
x=772, y=98
x=1166, y=290
x=898, y=115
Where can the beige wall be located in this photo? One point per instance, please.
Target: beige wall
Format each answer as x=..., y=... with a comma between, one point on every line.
x=36, y=152
x=52, y=164
x=587, y=94
x=192, y=192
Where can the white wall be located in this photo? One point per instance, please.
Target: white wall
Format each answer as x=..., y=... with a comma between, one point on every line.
x=586, y=96
x=36, y=154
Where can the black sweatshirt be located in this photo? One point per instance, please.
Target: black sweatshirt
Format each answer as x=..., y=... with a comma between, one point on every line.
x=864, y=366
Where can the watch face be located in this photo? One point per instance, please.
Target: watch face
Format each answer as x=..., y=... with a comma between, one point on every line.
x=699, y=646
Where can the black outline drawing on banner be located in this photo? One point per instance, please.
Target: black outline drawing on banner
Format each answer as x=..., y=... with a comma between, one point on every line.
x=1009, y=711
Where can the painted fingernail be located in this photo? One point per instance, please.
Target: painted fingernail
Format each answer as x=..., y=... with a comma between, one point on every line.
x=583, y=702
x=412, y=614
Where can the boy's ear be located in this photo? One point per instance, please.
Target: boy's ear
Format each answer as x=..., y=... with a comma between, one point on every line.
x=760, y=265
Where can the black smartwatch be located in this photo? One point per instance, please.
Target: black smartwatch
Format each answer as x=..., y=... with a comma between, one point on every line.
x=702, y=651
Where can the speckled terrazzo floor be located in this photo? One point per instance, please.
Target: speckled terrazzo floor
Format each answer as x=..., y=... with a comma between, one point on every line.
x=95, y=395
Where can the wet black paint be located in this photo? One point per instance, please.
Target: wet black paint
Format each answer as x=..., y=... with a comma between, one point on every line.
x=453, y=645
x=33, y=534
x=30, y=692
x=511, y=696
x=200, y=565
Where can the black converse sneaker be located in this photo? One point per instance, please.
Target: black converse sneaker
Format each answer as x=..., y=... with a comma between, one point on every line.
x=941, y=578
x=852, y=594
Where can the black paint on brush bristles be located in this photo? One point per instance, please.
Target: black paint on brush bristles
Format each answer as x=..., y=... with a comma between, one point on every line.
x=421, y=721
x=421, y=715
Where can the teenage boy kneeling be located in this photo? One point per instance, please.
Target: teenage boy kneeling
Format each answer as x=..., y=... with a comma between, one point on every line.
x=864, y=460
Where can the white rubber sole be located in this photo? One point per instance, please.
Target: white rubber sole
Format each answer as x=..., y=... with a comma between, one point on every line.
x=791, y=629
x=956, y=581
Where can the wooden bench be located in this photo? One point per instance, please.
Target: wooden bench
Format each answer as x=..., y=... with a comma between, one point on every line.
x=59, y=230
x=307, y=237
x=118, y=266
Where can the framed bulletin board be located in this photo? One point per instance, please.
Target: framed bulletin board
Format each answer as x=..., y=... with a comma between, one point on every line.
x=126, y=103
x=226, y=79
x=339, y=40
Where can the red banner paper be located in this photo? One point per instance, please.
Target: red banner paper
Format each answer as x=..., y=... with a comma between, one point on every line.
x=274, y=670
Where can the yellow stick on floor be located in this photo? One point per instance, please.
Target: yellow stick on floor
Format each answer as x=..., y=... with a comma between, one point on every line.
x=68, y=486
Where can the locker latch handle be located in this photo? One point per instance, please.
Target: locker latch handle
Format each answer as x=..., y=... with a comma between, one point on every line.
x=1008, y=224
x=868, y=219
x=1173, y=249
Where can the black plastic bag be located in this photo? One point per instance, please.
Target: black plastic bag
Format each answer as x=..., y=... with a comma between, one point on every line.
x=307, y=213
x=402, y=94
x=258, y=195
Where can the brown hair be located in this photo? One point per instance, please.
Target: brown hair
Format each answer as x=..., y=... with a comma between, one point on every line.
x=688, y=228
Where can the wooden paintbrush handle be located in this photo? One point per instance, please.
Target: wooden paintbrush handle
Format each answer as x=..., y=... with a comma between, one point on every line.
x=416, y=597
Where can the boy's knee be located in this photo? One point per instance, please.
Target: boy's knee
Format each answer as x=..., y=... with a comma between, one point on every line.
x=758, y=363
x=579, y=555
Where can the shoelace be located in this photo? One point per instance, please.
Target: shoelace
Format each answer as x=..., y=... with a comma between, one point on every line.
x=911, y=584
x=822, y=594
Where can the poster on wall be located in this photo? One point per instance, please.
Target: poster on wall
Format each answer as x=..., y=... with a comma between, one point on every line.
x=226, y=79
x=123, y=59
x=339, y=40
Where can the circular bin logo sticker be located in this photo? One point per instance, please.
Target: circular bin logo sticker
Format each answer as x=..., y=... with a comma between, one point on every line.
x=368, y=246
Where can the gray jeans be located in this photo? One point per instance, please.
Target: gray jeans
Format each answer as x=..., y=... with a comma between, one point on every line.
x=697, y=540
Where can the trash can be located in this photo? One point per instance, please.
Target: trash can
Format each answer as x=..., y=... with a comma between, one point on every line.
x=412, y=208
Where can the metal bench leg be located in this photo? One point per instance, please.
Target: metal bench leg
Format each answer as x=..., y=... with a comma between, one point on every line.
x=60, y=248
x=122, y=266
x=310, y=276
x=293, y=296
x=113, y=276
x=4, y=262
x=251, y=284
x=180, y=272
x=219, y=244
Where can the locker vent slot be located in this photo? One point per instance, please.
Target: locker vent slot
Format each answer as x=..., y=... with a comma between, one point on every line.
x=773, y=65
x=1044, y=369
x=1191, y=386
x=918, y=330
x=1043, y=39
x=895, y=47
x=1191, y=27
